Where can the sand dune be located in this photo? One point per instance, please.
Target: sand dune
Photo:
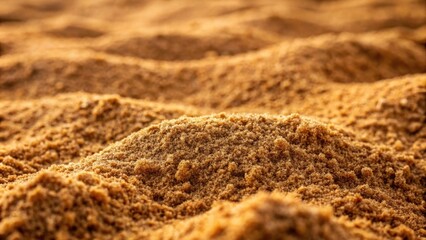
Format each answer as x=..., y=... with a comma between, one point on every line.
x=126, y=119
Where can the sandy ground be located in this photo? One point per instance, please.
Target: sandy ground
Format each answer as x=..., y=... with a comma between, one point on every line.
x=166, y=119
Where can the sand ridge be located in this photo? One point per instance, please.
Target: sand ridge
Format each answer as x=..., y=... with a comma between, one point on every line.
x=124, y=119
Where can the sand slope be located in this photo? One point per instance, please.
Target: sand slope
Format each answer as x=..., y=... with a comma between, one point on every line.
x=123, y=119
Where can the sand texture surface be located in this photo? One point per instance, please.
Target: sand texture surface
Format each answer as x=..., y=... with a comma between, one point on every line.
x=219, y=119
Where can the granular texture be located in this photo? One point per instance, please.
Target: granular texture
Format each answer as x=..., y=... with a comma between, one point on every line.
x=179, y=168
x=126, y=119
x=50, y=131
x=251, y=219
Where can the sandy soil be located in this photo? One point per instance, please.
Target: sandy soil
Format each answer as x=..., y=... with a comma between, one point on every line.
x=220, y=119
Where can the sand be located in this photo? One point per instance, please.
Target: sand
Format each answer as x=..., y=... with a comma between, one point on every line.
x=126, y=119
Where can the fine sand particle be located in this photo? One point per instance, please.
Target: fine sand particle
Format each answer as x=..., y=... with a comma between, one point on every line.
x=212, y=119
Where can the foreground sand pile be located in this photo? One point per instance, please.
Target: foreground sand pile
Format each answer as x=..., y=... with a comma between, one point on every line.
x=212, y=120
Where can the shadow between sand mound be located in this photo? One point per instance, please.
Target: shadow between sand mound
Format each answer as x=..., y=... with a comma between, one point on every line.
x=178, y=47
x=287, y=27
x=75, y=31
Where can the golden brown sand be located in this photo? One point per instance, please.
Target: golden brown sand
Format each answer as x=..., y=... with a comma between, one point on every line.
x=126, y=119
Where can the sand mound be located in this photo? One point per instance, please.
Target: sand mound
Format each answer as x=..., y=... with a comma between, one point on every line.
x=58, y=130
x=390, y=111
x=350, y=15
x=127, y=119
x=185, y=165
x=289, y=69
x=250, y=220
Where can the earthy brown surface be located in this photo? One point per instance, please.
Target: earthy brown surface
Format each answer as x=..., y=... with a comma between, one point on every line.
x=126, y=119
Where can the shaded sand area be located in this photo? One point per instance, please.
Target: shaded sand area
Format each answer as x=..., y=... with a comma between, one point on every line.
x=126, y=119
